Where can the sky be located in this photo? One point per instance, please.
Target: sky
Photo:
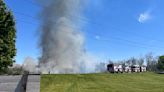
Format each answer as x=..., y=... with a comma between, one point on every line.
x=113, y=29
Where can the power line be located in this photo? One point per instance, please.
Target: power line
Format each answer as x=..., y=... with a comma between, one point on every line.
x=22, y=14
x=34, y=3
x=132, y=43
x=114, y=38
x=113, y=27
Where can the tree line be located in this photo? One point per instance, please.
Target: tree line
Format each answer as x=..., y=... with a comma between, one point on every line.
x=153, y=63
x=8, y=48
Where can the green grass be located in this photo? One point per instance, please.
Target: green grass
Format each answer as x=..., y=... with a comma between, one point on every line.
x=103, y=82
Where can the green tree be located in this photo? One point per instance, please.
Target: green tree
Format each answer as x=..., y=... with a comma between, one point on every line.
x=161, y=63
x=7, y=37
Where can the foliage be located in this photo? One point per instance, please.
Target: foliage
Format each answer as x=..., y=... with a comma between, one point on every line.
x=134, y=61
x=16, y=71
x=161, y=63
x=140, y=61
x=104, y=82
x=151, y=62
x=13, y=71
x=7, y=37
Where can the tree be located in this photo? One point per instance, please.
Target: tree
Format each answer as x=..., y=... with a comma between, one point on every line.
x=128, y=62
x=131, y=61
x=151, y=62
x=160, y=64
x=134, y=61
x=7, y=37
x=140, y=61
x=110, y=61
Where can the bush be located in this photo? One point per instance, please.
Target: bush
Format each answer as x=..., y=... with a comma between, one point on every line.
x=13, y=71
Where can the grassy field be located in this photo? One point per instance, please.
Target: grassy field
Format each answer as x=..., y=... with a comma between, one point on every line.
x=134, y=82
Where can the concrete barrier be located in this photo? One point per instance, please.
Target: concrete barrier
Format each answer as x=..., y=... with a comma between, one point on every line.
x=10, y=83
x=20, y=83
x=33, y=83
x=13, y=83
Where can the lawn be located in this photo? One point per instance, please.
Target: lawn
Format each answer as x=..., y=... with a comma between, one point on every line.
x=103, y=82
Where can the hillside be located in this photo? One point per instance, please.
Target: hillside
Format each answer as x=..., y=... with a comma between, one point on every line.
x=134, y=82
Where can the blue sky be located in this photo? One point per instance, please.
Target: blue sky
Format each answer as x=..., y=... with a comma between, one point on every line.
x=113, y=29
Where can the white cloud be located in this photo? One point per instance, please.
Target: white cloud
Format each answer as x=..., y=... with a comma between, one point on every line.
x=143, y=17
x=97, y=37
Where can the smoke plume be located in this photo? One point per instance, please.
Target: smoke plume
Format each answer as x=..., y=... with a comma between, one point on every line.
x=61, y=42
x=29, y=65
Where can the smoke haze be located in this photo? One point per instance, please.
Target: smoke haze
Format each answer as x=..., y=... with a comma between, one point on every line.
x=61, y=42
x=30, y=64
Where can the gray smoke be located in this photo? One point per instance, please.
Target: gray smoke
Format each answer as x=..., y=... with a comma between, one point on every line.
x=30, y=65
x=62, y=43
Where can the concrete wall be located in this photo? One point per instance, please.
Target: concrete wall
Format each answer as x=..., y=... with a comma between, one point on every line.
x=20, y=83
x=33, y=83
x=10, y=83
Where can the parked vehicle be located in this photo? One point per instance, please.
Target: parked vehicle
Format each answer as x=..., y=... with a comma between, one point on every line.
x=143, y=68
x=127, y=69
x=114, y=68
x=135, y=68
